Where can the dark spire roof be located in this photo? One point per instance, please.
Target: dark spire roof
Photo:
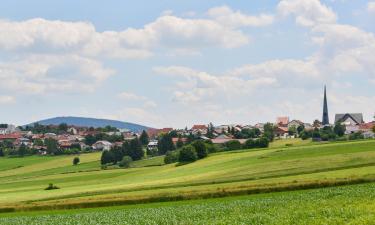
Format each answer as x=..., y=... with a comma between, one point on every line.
x=325, y=120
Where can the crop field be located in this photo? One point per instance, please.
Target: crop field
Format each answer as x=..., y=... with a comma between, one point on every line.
x=353, y=204
x=300, y=166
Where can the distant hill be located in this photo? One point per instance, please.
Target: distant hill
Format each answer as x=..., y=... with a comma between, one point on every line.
x=92, y=122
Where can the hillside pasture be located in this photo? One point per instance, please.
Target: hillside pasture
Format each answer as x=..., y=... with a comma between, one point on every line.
x=220, y=174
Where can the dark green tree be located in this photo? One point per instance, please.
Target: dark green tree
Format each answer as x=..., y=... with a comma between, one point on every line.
x=126, y=161
x=339, y=129
x=117, y=154
x=76, y=161
x=52, y=146
x=63, y=127
x=135, y=149
x=165, y=144
x=179, y=143
x=200, y=149
x=269, y=131
x=90, y=140
x=233, y=145
x=144, y=138
x=187, y=154
x=171, y=157
x=22, y=150
x=106, y=158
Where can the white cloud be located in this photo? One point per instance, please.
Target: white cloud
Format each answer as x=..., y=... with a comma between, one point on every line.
x=371, y=7
x=201, y=86
x=307, y=12
x=52, y=73
x=5, y=99
x=225, y=15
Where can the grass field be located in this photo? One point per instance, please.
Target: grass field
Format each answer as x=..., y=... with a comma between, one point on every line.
x=300, y=166
x=353, y=204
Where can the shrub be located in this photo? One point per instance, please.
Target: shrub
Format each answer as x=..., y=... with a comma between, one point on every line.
x=200, y=148
x=263, y=142
x=187, y=154
x=76, y=160
x=233, y=145
x=356, y=136
x=250, y=143
x=126, y=161
x=51, y=187
x=171, y=157
x=211, y=148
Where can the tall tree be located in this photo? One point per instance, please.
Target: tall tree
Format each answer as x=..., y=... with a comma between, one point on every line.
x=200, y=149
x=144, y=138
x=136, y=152
x=52, y=147
x=106, y=158
x=22, y=150
x=165, y=144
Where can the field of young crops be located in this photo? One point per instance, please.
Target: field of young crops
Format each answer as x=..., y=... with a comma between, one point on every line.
x=354, y=204
x=278, y=168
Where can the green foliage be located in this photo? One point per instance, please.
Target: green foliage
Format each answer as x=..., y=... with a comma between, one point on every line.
x=52, y=146
x=126, y=161
x=179, y=143
x=187, y=154
x=339, y=129
x=144, y=138
x=356, y=136
x=135, y=151
x=51, y=187
x=22, y=150
x=233, y=145
x=38, y=142
x=200, y=149
x=76, y=161
x=269, y=131
x=165, y=144
x=106, y=158
x=171, y=157
x=292, y=130
x=90, y=140
x=2, y=152
x=262, y=142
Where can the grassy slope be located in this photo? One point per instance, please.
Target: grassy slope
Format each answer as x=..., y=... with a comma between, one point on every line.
x=352, y=204
x=241, y=172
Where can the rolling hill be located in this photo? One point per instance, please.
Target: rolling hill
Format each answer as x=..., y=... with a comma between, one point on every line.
x=92, y=122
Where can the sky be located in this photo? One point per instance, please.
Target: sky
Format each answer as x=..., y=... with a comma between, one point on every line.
x=175, y=63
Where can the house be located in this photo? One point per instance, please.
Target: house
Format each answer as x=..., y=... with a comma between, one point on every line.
x=152, y=145
x=295, y=123
x=72, y=130
x=199, y=129
x=102, y=146
x=50, y=135
x=10, y=137
x=175, y=140
x=7, y=129
x=366, y=129
x=154, y=133
x=282, y=121
x=349, y=119
x=281, y=132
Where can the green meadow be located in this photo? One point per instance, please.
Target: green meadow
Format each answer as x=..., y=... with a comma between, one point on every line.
x=286, y=165
x=352, y=204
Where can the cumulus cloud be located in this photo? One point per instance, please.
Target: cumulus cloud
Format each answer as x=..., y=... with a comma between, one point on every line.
x=225, y=15
x=307, y=12
x=52, y=73
x=201, y=86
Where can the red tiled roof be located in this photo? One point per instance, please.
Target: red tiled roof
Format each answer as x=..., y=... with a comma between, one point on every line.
x=366, y=126
x=199, y=127
x=10, y=136
x=282, y=120
x=184, y=140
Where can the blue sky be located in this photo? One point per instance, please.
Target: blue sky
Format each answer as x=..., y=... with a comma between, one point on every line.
x=178, y=63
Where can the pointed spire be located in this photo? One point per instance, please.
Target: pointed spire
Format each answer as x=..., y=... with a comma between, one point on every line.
x=325, y=120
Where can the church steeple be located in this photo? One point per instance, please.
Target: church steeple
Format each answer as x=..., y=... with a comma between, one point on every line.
x=325, y=120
